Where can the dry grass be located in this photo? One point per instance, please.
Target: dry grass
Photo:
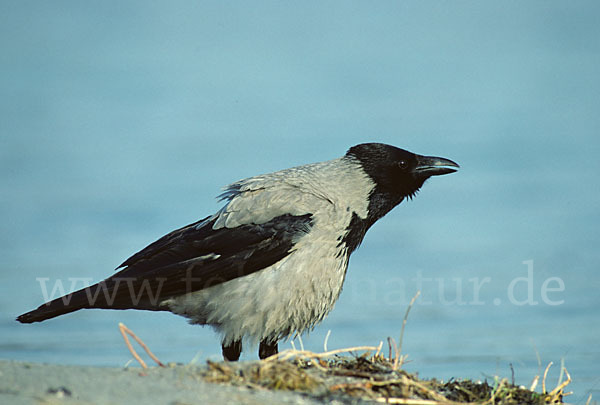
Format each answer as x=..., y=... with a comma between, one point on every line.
x=371, y=377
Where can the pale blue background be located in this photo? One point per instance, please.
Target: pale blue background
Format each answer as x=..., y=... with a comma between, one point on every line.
x=121, y=120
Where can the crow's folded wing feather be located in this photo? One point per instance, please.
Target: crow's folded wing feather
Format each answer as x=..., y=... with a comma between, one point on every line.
x=186, y=260
x=197, y=256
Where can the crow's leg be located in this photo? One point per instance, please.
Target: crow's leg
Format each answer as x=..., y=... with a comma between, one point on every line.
x=232, y=351
x=267, y=348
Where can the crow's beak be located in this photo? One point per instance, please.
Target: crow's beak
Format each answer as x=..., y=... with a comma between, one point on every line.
x=434, y=166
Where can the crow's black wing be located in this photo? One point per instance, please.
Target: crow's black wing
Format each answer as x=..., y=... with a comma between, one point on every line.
x=188, y=259
x=213, y=256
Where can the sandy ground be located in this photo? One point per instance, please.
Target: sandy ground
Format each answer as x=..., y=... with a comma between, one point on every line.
x=32, y=383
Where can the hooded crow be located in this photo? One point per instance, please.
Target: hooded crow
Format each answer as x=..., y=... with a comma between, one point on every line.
x=272, y=261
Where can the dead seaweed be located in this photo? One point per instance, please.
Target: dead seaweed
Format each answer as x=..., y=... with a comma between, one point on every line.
x=369, y=377
x=281, y=375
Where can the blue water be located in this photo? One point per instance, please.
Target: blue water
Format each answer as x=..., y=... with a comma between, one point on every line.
x=121, y=121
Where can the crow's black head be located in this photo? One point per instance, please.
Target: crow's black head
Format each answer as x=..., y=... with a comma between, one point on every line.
x=397, y=173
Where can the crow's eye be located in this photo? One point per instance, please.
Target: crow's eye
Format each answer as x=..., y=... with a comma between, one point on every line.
x=402, y=164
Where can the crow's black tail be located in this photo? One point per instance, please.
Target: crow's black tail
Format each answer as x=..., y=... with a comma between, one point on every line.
x=48, y=310
x=107, y=294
